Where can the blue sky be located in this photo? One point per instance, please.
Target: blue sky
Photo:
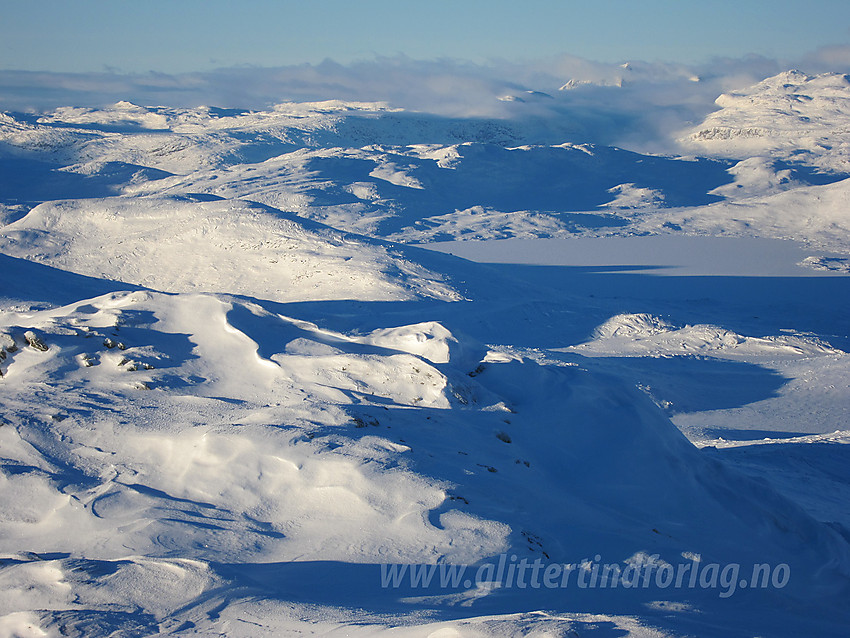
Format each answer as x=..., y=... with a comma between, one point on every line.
x=177, y=36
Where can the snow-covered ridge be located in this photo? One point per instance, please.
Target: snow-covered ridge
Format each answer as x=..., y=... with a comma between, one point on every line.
x=370, y=169
x=179, y=140
x=179, y=245
x=649, y=335
x=363, y=168
x=791, y=115
x=816, y=215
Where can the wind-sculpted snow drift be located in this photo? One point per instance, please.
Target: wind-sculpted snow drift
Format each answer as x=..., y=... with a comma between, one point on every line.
x=229, y=410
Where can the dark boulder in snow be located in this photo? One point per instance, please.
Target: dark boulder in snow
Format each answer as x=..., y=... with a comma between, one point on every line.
x=34, y=341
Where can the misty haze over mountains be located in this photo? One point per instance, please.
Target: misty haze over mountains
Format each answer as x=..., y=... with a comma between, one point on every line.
x=651, y=100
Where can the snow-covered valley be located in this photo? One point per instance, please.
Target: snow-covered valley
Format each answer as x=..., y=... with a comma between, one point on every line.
x=246, y=391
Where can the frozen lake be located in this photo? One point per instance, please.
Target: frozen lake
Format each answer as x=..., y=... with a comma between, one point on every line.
x=660, y=255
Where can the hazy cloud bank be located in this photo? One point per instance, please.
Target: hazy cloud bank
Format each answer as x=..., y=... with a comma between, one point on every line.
x=637, y=105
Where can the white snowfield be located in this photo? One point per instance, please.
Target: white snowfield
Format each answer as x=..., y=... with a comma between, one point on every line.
x=179, y=245
x=816, y=215
x=235, y=402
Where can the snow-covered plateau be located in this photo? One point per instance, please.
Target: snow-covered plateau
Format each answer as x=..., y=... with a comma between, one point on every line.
x=251, y=386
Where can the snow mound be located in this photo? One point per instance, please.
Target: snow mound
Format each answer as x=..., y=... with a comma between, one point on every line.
x=632, y=325
x=633, y=196
x=428, y=340
x=176, y=244
x=756, y=176
x=646, y=335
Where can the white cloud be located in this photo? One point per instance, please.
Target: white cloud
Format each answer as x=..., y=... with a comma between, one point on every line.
x=641, y=105
x=831, y=58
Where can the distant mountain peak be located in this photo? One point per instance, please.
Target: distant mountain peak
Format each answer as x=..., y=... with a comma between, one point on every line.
x=575, y=83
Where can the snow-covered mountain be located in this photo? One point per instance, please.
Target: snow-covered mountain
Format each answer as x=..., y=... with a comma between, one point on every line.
x=792, y=116
x=237, y=400
x=373, y=170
